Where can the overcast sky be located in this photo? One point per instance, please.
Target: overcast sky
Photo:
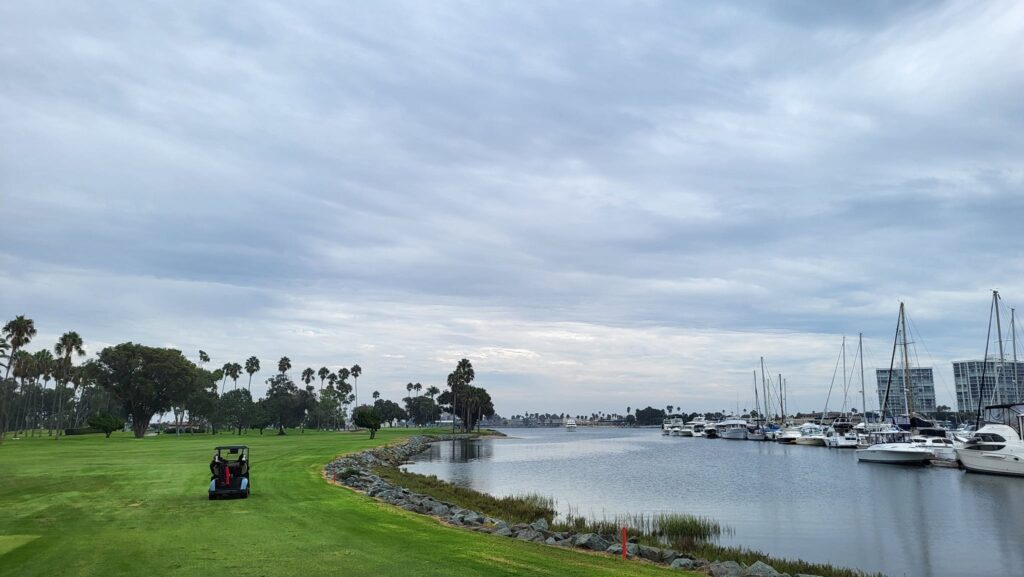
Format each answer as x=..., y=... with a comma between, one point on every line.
x=599, y=204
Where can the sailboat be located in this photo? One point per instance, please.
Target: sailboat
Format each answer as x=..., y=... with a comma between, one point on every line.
x=995, y=448
x=894, y=446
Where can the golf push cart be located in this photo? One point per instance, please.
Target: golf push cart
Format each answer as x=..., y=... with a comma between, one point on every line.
x=229, y=478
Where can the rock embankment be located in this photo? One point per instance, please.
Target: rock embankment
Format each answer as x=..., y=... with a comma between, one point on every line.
x=356, y=471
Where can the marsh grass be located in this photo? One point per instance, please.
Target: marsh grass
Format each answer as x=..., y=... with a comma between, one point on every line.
x=690, y=534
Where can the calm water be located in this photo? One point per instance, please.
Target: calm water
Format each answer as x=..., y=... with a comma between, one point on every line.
x=813, y=503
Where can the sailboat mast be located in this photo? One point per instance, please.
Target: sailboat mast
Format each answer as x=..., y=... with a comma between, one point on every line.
x=846, y=385
x=906, y=369
x=757, y=398
x=863, y=397
x=1013, y=343
x=782, y=388
x=1002, y=358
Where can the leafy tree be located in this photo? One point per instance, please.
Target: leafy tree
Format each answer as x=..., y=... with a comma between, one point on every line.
x=433, y=391
x=201, y=402
x=367, y=418
x=143, y=378
x=261, y=418
x=630, y=420
x=252, y=366
x=106, y=423
x=389, y=411
x=236, y=408
x=284, y=365
x=282, y=402
x=422, y=410
x=649, y=416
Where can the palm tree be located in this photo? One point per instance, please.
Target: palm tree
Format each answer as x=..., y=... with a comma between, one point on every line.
x=45, y=365
x=203, y=358
x=252, y=366
x=284, y=364
x=69, y=344
x=25, y=370
x=355, y=372
x=331, y=379
x=226, y=370
x=308, y=375
x=417, y=387
x=323, y=373
x=236, y=371
x=668, y=409
x=433, y=391
x=19, y=332
x=409, y=387
x=376, y=395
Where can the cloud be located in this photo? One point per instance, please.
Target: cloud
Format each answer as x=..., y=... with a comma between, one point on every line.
x=598, y=205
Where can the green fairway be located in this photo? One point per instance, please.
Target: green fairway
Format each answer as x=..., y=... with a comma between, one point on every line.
x=123, y=506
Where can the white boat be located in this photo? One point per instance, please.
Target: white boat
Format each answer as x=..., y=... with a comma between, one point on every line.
x=811, y=434
x=694, y=428
x=941, y=447
x=755, y=433
x=735, y=429
x=666, y=426
x=840, y=435
x=894, y=447
x=711, y=431
x=993, y=449
x=788, y=435
x=570, y=425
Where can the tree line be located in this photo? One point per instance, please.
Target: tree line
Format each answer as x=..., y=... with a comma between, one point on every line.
x=132, y=383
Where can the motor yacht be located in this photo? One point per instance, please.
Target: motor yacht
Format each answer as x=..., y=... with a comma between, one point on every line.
x=788, y=435
x=841, y=435
x=892, y=447
x=735, y=429
x=811, y=434
x=993, y=449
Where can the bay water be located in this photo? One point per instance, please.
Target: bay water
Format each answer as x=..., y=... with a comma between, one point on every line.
x=812, y=503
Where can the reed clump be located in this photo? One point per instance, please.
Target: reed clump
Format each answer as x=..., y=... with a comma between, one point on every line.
x=677, y=530
x=521, y=508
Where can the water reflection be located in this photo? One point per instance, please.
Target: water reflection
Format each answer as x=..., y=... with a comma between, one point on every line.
x=792, y=501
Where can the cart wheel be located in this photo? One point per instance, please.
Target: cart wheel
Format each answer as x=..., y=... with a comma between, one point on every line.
x=212, y=496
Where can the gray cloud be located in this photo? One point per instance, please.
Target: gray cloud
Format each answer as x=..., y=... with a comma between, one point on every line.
x=599, y=205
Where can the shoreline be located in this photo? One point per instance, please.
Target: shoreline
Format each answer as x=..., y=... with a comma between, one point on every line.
x=356, y=472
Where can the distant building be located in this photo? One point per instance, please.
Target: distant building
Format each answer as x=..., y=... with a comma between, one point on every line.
x=1004, y=382
x=923, y=385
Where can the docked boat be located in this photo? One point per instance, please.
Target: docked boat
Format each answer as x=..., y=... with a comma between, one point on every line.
x=840, y=435
x=755, y=433
x=570, y=425
x=941, y=447
x=711, y=431
x=735, y=429
x=788, y=436
x=811, y=434
x=697, y=426
x=892, y=446
x=993, y=449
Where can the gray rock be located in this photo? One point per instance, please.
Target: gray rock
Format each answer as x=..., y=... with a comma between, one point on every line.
x=805, y=575
x=591, y=541
x=539, y=525
x=726, y=569
x=409, y=507
x=668, y=555
x=650, y=553
x=563, y=542
x=529, y=535
x=631, y=549
x=503, y=531
x=685, y=563
x=760, y=569
x=499, y=523
x=550, y=541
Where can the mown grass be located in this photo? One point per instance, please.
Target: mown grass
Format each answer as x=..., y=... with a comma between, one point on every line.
x=87, y=506
x=689, y=534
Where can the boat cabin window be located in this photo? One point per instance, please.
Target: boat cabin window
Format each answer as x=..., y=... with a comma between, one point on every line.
x=990, y=438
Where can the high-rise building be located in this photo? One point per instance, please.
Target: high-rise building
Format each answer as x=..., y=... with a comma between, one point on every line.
x=923, y=387
x=1004, y=382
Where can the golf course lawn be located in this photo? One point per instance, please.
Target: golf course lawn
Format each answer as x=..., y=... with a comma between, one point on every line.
x=87, y=505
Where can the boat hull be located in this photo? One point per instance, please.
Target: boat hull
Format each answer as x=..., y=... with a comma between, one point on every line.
x=841, y=443
x=992, y=462
x=813, y=441
x=733, y=434
x=894, y=454
x=755, y=436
